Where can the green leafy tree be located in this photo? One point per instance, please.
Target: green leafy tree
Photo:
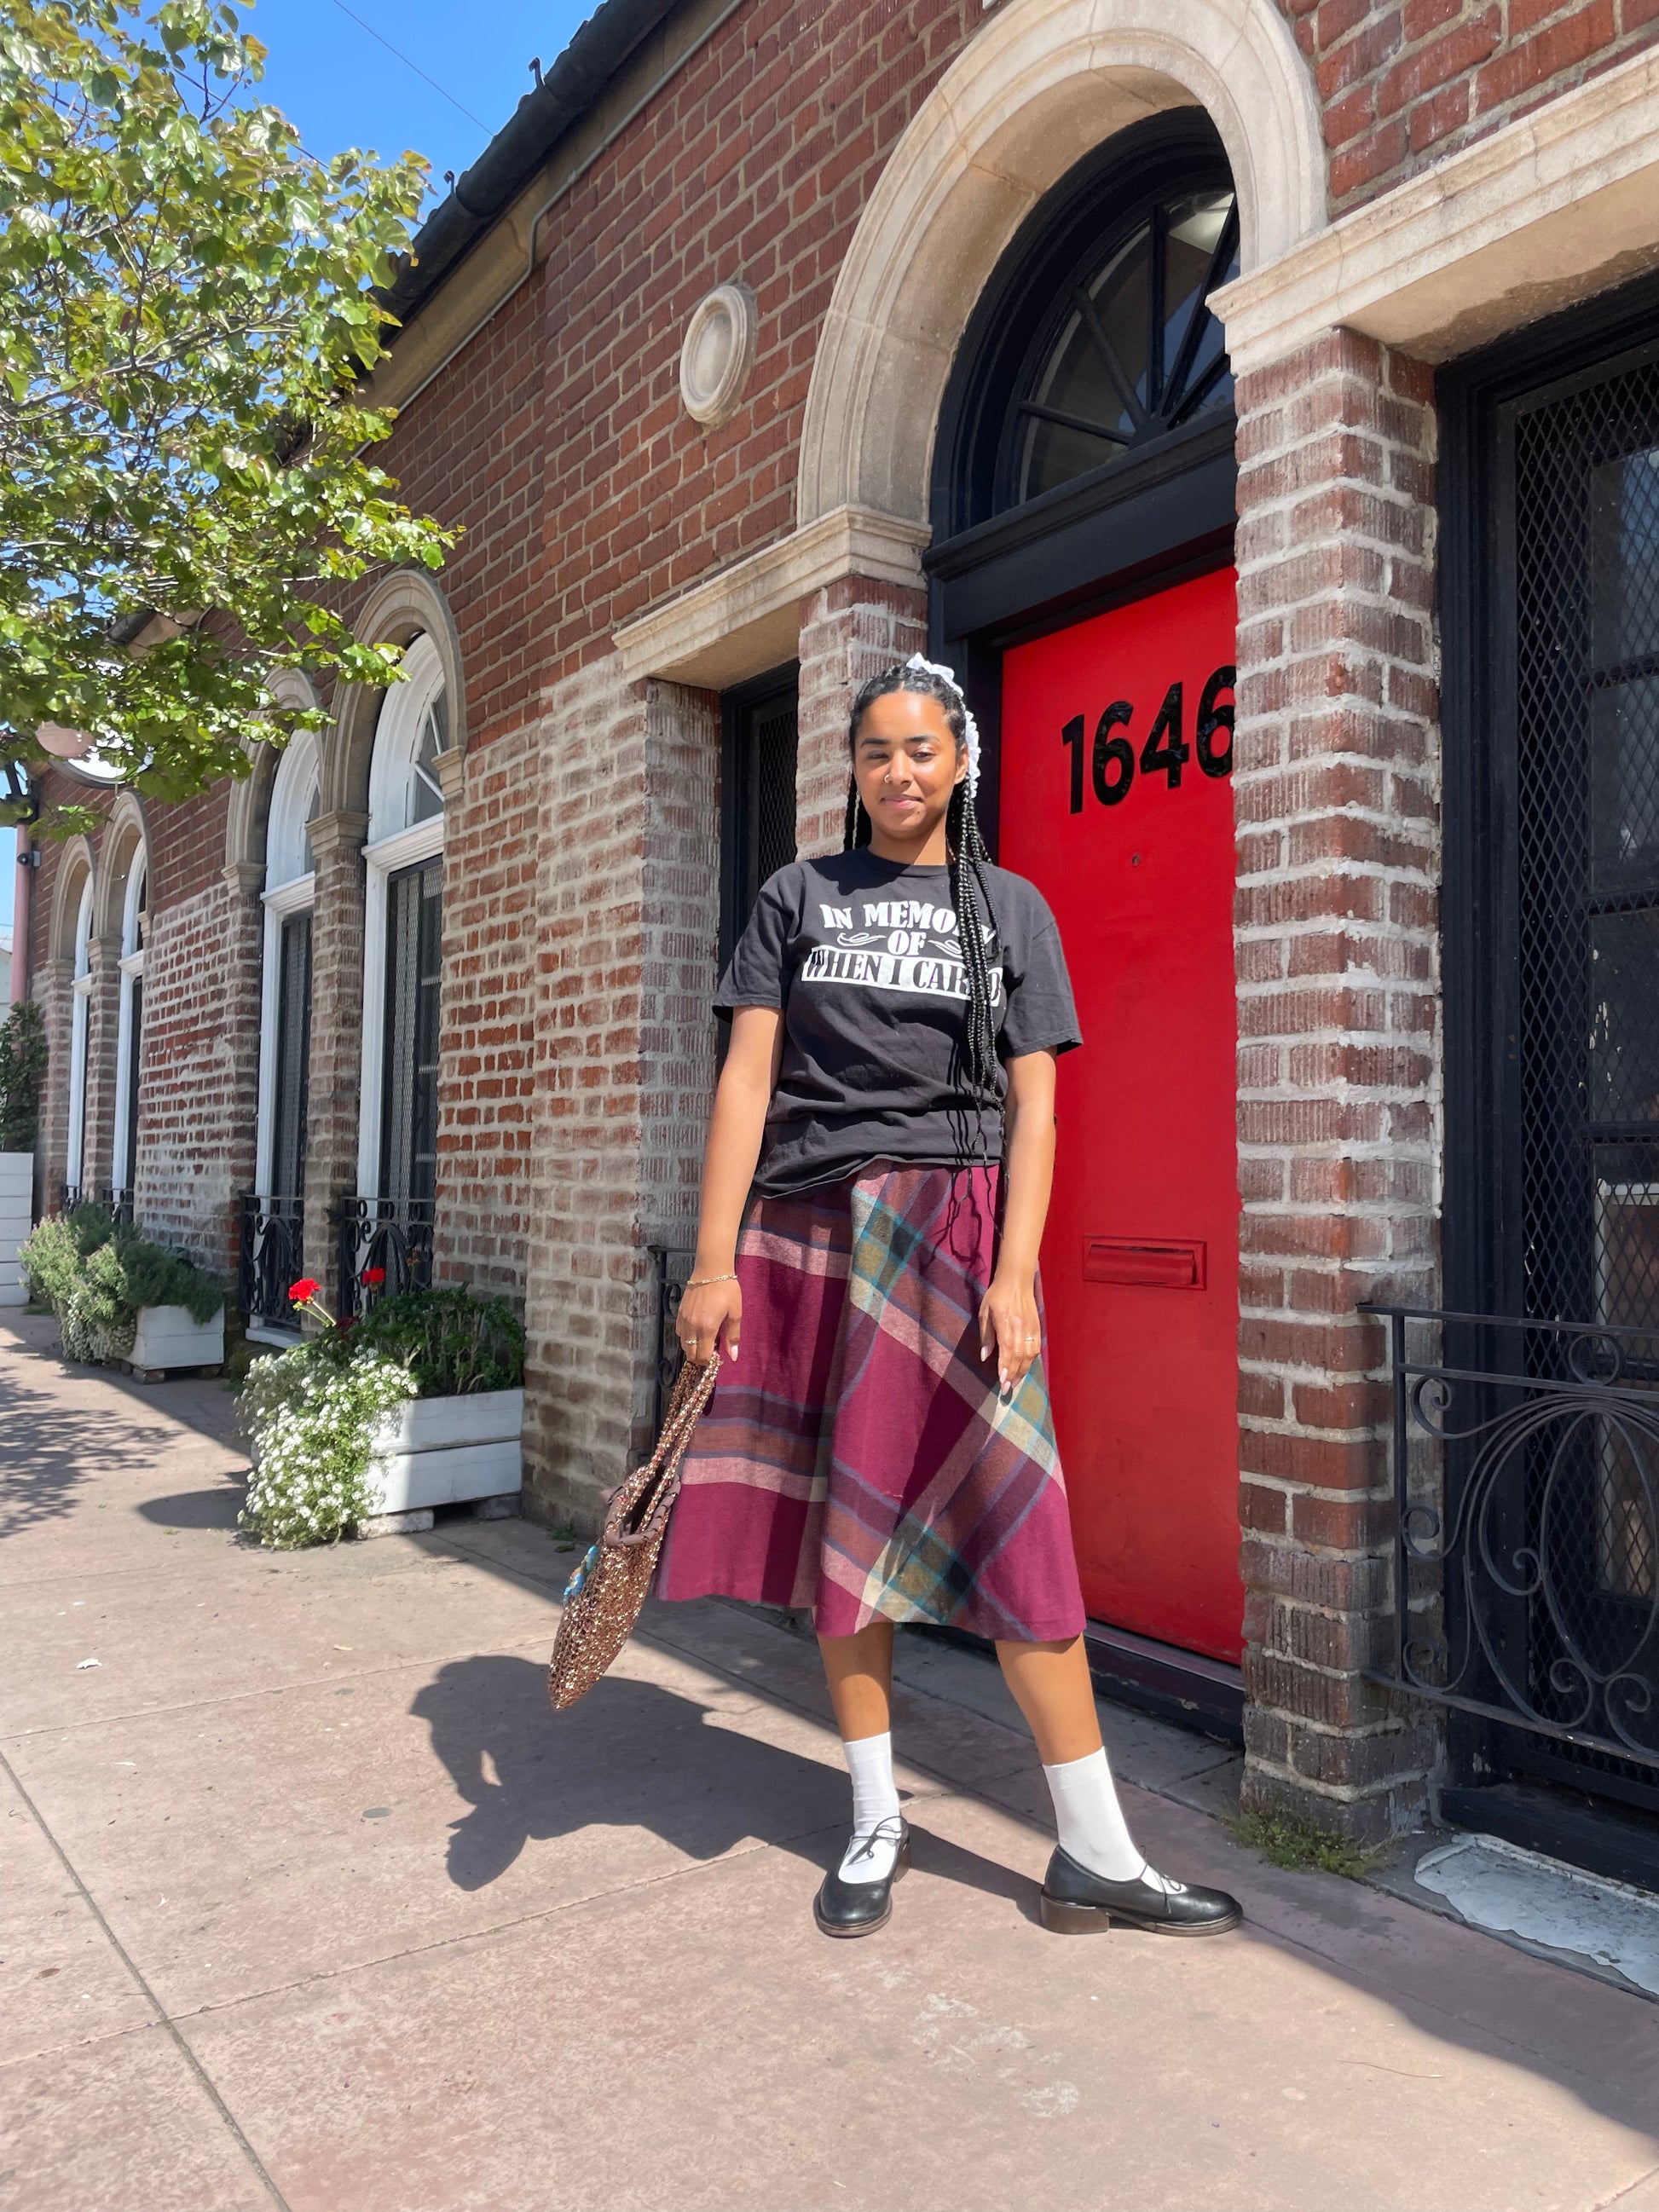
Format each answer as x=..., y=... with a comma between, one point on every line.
x=23, y=1069
x=187, y=304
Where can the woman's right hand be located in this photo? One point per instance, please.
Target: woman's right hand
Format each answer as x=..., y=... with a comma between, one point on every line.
x=707, y=1313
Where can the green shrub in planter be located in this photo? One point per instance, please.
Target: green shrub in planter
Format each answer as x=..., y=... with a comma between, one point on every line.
x=95, y=1275
x=57, y=1250
x=452, y=1343
x=311, y=1412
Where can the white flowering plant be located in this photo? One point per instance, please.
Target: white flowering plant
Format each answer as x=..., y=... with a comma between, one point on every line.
x=311, y=1415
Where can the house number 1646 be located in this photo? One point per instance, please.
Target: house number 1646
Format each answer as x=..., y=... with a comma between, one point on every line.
x=1112, y=761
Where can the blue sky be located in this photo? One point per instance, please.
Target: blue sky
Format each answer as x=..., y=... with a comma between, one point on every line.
x=331, y=76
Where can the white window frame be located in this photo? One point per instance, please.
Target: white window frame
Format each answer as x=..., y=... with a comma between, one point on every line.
x=394, y=844
x=80, y=1009
x=297, y=898
x=291, y=793
x=381, y=862
x=132, y=969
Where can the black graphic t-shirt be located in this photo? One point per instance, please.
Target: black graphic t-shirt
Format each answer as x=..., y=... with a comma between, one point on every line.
x=861, y=956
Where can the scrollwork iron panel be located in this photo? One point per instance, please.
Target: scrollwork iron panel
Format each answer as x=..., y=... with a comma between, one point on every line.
x=385, y=1246
x=272, y=1258
x=1531, y=1598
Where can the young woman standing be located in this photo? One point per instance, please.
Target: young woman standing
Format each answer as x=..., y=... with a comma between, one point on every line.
x=874, y=1190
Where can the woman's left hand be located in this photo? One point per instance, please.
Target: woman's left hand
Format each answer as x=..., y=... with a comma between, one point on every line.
x=1008, y=1326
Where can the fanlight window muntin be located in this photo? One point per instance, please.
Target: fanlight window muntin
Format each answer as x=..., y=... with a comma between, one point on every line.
x=1130, y=350
x=295, y=798
x=404, y=787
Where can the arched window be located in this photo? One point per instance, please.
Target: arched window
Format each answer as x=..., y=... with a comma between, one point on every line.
x=285, y=1009
x=80, y=1011
x=398, y=1142
x=403, y=790
x=1131, y=351
x=129, y=1022
x=1095, y=344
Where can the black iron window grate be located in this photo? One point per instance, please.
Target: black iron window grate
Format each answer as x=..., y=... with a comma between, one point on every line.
x=1497, y=1610
x=757, y=797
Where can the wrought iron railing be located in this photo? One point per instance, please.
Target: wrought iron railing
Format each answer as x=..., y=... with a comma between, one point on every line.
x=117, y=1202
x=272, y=1258
x=385, y=1246
x=1525, y=1493
x=672, y=1266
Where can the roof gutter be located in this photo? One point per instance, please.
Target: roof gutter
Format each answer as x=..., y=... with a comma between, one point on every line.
x=614, y=31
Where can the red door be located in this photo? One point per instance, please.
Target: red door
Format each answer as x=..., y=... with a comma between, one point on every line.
x=1116, y=750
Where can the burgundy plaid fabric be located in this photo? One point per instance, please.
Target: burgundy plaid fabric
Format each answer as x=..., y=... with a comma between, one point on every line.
x=857, y=1457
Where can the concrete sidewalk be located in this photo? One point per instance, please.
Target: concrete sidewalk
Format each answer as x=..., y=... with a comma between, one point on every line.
x=309, y=1899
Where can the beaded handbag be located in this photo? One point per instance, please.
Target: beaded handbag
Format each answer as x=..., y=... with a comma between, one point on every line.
x=601, y=1599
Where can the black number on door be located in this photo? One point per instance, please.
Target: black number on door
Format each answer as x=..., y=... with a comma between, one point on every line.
x=1113, y=761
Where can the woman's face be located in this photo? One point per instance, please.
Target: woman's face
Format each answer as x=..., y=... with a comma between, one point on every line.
x=906, y=763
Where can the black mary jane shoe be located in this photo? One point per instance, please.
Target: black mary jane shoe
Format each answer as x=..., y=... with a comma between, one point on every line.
x=1078, y=1903
x=858, y=1908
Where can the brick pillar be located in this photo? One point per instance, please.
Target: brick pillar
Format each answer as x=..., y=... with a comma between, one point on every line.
x=336, y=1039
x=849, y=631
x=54, y=988
x=679, y=940
x=103, y=1024
x=581, y=1319
x=198, y=1072
x=1336, y=787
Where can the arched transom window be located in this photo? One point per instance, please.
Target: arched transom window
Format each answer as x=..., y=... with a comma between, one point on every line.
x=1093, y=354
x=412, y=731
x=1132, y=351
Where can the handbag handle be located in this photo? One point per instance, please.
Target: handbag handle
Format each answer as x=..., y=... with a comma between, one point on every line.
x=694, y=1386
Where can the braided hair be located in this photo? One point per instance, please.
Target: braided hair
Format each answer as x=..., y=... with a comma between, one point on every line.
x=968, y=858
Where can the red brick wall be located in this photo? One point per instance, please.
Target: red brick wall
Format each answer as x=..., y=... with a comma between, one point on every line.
x=558, y=438
x=1336, y=792
x=198, y=1077
x=1407, y=82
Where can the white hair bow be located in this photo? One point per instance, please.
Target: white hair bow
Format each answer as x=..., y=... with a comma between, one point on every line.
x=937, y=668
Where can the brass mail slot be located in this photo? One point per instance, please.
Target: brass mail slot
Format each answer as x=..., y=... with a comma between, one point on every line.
x=1137, y=1262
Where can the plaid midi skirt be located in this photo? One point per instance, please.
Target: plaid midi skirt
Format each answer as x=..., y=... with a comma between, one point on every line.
x=857, y=1457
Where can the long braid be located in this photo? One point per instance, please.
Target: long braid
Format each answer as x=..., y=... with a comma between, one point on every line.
x=968, y=858
x=973, y=905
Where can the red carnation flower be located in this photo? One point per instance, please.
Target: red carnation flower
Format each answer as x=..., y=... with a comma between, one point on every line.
x=302, y=1292
x=374, y=1277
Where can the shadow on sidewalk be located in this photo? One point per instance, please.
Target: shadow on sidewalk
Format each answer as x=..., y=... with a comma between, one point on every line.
x=635, y=1755
x=49, y=1451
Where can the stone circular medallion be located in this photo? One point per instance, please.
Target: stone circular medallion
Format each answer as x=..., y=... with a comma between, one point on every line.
x=718, y=354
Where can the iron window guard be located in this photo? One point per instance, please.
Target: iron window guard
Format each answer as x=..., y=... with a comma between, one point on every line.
x=673, y=1266
x=387, y=1240
x=270, y=1258
x=1544, y=1613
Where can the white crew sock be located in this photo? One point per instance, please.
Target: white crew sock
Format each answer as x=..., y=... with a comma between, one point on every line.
x=873, y=1850
x=1089, y=1819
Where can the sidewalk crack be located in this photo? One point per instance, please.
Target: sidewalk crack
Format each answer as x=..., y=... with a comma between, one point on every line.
x=163, y=2019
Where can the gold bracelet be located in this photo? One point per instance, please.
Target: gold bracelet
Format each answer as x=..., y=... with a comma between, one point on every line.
x=702, y=1281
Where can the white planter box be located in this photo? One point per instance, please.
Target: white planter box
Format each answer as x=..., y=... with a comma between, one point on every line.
x=16, y=1198
x=168, y=1337
x=438, y=1451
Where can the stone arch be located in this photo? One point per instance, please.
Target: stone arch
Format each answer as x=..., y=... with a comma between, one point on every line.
x=125, y=837
x=246, y=815
x=406, y=605
x=77, y=869
x=1035, y=89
